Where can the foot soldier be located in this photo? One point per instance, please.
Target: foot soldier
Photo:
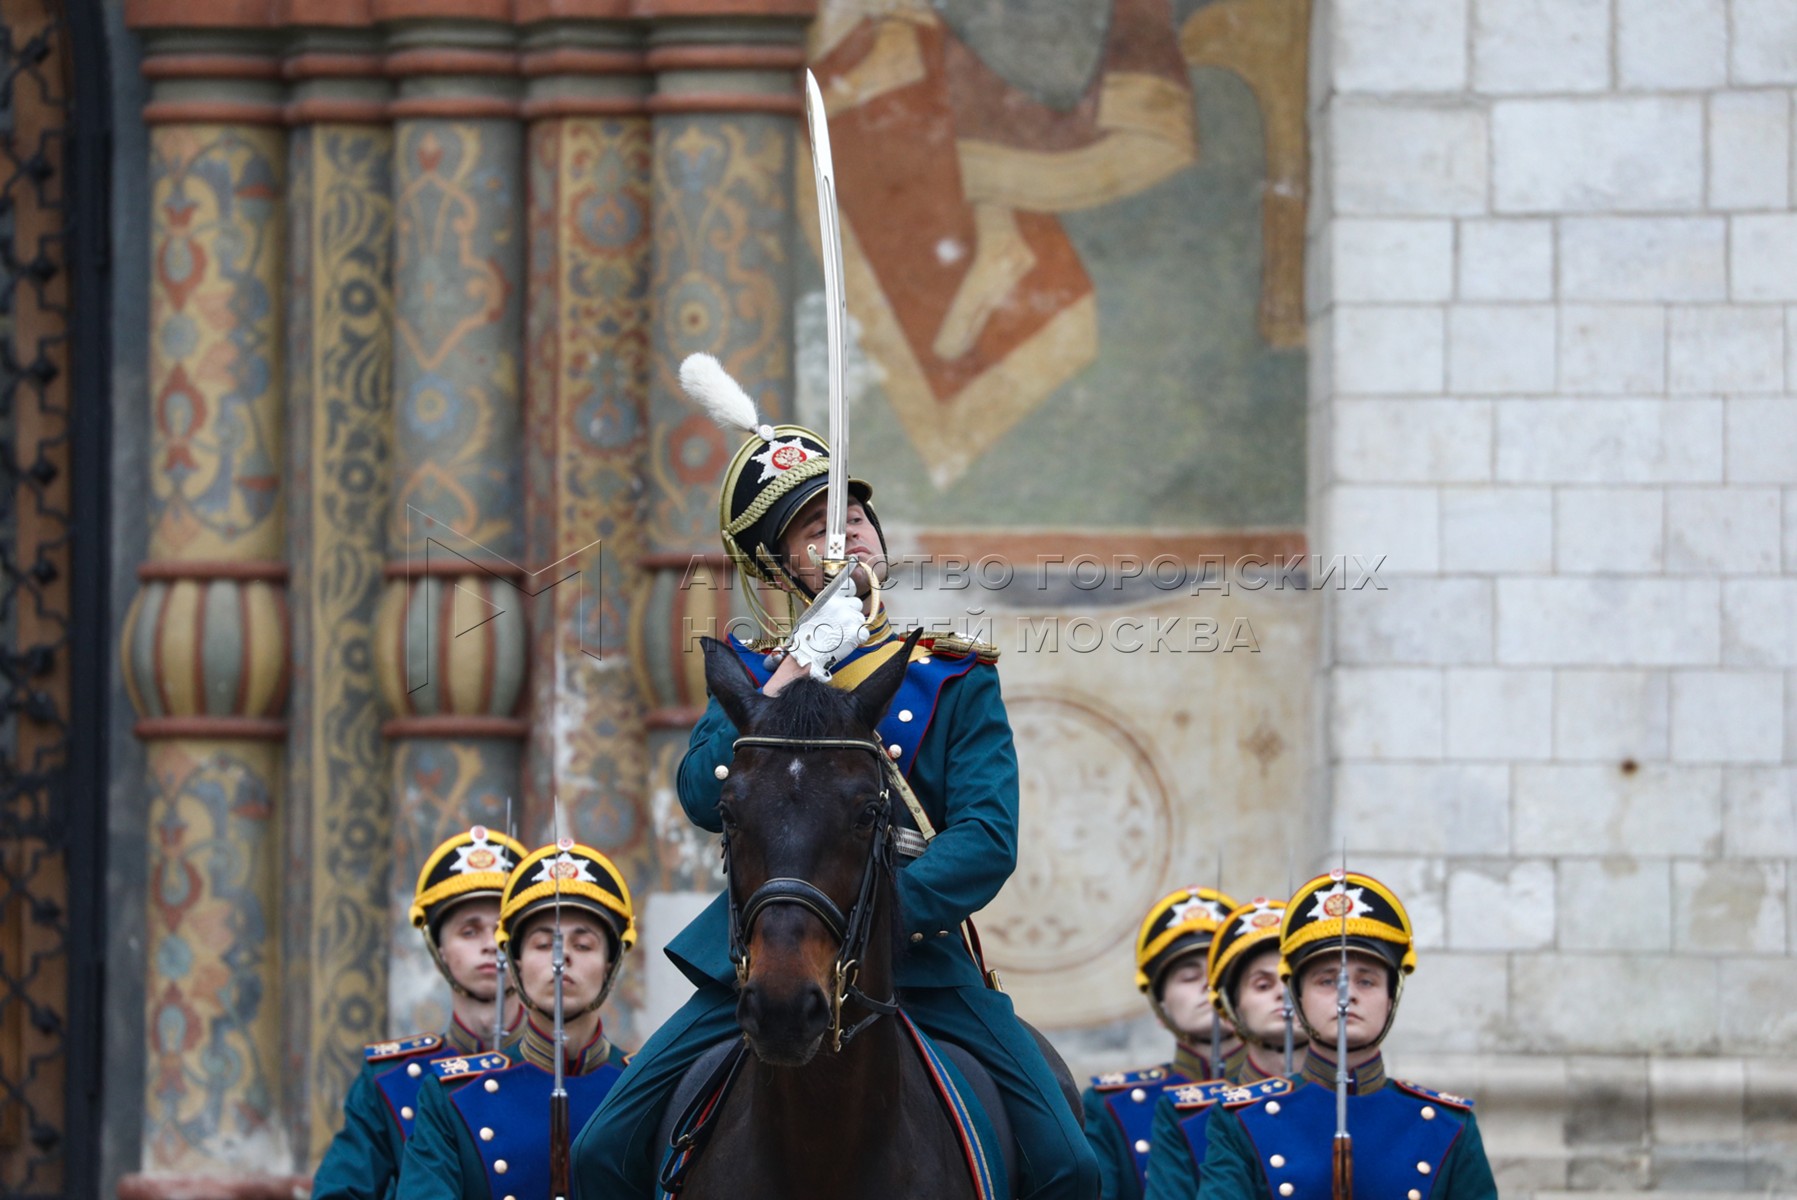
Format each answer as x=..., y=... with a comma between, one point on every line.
x=947, y=732
x=1170, y=970
x=1342, y=1126
x=484, y=1121
x=456, y=905
x=1245, y=988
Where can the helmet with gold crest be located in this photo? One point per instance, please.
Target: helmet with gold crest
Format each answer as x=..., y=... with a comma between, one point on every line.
x=472, y=864
x=770, y=478
x=1247, y=929
x=1180, y=923
x=578, y=878
x=1347, y=910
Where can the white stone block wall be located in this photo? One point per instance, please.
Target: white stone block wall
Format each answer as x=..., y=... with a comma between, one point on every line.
x=1554, y=334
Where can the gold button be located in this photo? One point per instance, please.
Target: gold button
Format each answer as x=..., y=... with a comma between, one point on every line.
x=1272, y=1108
x=917, y=937
x=1286, y=1189
x=942, y=933
x=406, y=1111
x=895, y=752
x=492, y=1085
x=1138, y=1095
x=1278, y=1160
x=924, y=658
x=486, y=1134
x=1423, y=1167
x=1413, y=1194
x=414, y=1070
x=1141, y=1145
x=1428, y=1113
x=905, y=715
x=499, y=1165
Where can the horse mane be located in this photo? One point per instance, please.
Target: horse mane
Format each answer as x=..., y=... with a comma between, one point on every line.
x=806, y=708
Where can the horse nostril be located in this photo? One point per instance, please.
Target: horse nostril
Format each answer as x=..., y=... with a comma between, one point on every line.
x=817, y=1007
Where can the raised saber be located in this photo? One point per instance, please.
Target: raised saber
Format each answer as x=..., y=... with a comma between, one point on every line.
x=1343, y=1181
x=836, y=502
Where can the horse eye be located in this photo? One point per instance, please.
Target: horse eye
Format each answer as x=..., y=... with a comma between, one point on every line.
x=726, y=817
x=869, y=814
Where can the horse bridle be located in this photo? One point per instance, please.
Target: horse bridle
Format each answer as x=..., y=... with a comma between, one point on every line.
x=852, y=931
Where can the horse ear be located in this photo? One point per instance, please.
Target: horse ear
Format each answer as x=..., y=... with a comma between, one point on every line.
x=734, y=688
x=875, y=693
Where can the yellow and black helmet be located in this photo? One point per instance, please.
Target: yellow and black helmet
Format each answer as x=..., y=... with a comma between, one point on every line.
x=1351, y=905
x=1248, y=927
x=586, y=880
x=1180, y=923
x=472, y=863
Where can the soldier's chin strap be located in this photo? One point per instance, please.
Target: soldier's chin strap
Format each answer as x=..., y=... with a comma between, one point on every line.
x=455, y=985
x=611, y=977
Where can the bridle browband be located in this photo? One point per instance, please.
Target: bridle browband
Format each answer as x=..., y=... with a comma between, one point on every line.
x=852, y=931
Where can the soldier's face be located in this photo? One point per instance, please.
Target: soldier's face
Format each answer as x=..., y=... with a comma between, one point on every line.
x=1185, y=998
x=1369, y=998
x=465, y=939
x=586, y=949
x=1260, y=998
x=807, y=529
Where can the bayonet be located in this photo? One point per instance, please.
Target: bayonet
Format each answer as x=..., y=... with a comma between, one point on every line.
x=1344, y=1144
x=499, y=958
x=558, y=1093
x=1290, y=1007
x=835, y=556
x=1216, y=1021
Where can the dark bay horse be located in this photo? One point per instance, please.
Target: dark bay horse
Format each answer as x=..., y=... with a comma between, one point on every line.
x=807, y=812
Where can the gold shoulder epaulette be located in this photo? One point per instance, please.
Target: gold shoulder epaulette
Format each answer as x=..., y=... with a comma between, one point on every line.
x=956, y=646
x=1112, y=1081
x=1447, y=1098
x=406, y=1047
x=458, y=1065
x=1254, y=1093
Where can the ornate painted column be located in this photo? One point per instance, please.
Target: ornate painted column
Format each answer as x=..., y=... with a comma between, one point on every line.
x=586, y=318
x=339, y=373
x=205, y=651
x=725, y=112
x=451, y=635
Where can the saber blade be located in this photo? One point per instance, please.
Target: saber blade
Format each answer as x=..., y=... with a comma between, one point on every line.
x=823, y=167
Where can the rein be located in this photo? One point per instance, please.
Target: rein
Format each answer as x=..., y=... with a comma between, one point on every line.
x=852, y=931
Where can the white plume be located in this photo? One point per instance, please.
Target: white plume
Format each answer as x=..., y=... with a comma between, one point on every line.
x=709, y=386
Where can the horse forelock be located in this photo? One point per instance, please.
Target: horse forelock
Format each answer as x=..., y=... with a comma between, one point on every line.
x=806, y=708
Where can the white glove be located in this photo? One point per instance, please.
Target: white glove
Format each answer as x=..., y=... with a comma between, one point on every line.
x=832, y=634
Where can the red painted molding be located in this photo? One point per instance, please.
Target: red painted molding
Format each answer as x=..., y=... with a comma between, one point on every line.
x=803, y=10
x=528, y=11
x=212, y=1187
x=324, y=111
x=212, y=14
x=515, y=728
x=352, y=14
x=474, y=10
x=451, y=565
x=319, y=64
x=264, y=569
x=453, y=107
x=566, y=60
x=212, y=112
x=248, y=729
x=726, y=58
x=728, y=102
x=428, y=61
x=211, y=66
x=585, y=106
x=673, y=718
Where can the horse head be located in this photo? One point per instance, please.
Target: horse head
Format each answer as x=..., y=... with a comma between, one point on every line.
x=806, y=811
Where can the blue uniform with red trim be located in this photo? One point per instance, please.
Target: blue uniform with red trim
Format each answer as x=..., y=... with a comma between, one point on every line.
x=955, y=749
x=1408, y=1142
x=362, y=1161
x=1181, y=1128
x=483, y=1126
x=1119, y=1111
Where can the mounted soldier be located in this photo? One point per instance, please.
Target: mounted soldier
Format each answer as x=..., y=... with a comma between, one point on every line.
x=1341, y=1124
x=455, y=905
x=485, y=1128
x=1171, y=946
x=794, y=520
